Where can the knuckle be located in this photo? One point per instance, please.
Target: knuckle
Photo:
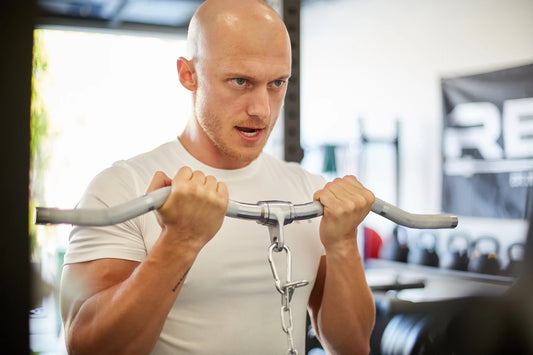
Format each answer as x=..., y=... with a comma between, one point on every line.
x=198, y=174
x=359, y=200
x=363, y=201
x=371, y=196
x=185, y=169
x=351, y=205
x=351, y=178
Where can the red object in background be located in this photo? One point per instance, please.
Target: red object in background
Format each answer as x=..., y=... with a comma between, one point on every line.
x=373, y=243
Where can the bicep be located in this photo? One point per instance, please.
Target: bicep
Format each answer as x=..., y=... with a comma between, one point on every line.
x=81, y=281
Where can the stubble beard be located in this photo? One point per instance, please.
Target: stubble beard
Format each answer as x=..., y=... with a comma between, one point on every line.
x=214, y=131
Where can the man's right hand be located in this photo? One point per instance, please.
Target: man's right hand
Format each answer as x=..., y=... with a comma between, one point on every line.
x=195, y=208
x=100, y=297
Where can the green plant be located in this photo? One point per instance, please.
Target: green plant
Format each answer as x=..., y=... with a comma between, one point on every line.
x=39, y=124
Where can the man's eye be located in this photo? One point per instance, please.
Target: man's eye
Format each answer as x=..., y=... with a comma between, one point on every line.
x=239, y=81
x=278, y=83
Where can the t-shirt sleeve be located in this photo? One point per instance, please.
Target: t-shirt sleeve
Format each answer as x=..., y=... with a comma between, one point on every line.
x=111, y=187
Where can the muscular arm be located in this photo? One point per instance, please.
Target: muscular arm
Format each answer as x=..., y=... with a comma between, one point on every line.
x=341, y=304
x=112, y=306
x=119, y=306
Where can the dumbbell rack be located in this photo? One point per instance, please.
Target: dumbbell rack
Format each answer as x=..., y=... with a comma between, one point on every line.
x=412, y=294
x=400, y=267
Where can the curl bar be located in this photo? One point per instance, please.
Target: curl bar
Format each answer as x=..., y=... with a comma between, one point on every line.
x=263, y=212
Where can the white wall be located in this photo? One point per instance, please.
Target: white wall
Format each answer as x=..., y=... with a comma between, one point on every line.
x=382, y=60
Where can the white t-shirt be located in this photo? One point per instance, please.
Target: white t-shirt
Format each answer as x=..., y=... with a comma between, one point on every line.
x=228, y=303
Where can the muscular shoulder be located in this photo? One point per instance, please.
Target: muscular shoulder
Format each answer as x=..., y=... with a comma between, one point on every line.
x=164, y=158
x=127, y=179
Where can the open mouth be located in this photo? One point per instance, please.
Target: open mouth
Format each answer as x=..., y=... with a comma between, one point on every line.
x=249, y=132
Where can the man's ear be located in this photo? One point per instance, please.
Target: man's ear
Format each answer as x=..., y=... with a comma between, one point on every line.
x=187, y=74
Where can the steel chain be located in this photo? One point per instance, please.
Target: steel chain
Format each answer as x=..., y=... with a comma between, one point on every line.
x=286, y=290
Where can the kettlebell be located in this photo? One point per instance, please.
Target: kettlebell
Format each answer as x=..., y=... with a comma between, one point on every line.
x=425, y=252
x=457, y=258
x=515, y=264
x=397, y=250
x=485, y=262
x=373, y=243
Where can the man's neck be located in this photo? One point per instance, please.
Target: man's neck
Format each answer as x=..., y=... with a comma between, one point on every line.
x=202, y=149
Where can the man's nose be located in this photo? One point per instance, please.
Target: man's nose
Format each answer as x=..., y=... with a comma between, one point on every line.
x=259, y=103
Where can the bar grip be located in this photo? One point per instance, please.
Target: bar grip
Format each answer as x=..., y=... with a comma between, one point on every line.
x=155, y=199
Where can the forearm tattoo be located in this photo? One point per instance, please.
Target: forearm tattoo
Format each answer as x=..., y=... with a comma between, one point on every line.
x=181, y=280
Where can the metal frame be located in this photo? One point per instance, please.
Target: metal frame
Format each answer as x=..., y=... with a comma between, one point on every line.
x=292, y=148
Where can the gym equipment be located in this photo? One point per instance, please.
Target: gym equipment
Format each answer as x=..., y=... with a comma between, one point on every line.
x=411, y=328
x=485, y=262
x=373, y=243
x=514, y=265
x=393, y=141
x=425, y=254
x=462, y=326
x=263, y=212
x=273, y=214
x=457, y=258
x=398, y=286
x=396, y=250
x=405, y=334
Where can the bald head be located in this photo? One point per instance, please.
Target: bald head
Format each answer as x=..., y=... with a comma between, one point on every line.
x=227, y=23
x=238, y=67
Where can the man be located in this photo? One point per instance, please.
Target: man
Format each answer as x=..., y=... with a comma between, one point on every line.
x=185, y=279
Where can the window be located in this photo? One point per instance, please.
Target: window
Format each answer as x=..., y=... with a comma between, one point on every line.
x=105, y=97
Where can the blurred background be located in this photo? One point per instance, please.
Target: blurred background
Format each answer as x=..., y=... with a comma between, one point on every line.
x=422, y=101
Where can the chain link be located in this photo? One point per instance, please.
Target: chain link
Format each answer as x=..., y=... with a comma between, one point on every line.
x=286, y=290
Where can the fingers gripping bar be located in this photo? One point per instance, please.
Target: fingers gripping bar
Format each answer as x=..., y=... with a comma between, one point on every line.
x=260, y=212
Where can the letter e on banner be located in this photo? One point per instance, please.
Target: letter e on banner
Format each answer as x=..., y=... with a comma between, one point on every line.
x=518, y=128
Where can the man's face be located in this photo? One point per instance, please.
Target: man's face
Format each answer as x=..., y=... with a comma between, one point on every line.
x=242, y=82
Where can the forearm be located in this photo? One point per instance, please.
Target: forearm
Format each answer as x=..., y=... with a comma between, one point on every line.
x=129, y=316
x=347, y=310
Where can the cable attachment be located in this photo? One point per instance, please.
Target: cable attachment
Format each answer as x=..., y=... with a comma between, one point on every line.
x=286, y=289
x=275, y=215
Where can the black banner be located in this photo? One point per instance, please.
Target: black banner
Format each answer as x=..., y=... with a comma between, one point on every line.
x=488, y=144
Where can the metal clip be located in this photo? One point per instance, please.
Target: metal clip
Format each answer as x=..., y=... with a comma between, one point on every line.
x=288, y=286
x=276, y=214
